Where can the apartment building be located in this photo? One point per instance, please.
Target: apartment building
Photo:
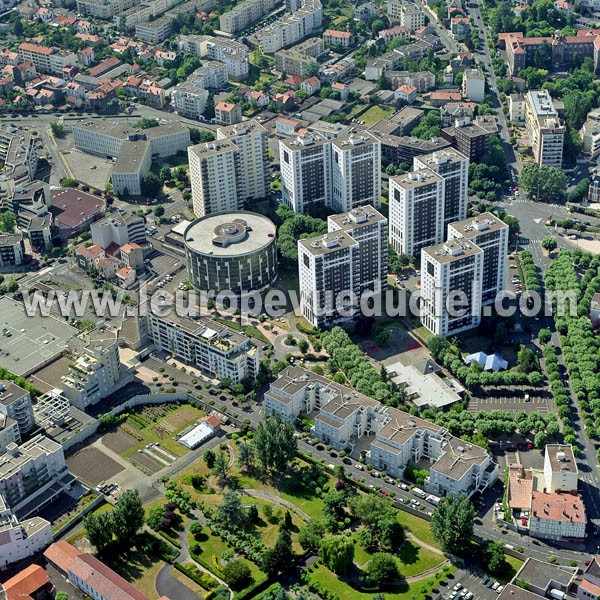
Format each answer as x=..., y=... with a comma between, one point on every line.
x=291, y=28
x=557, y=517
x=560, y=469
x=588, y=588
x=301, y=58
x=343, y=417
x=21, y=539
x=333, y=37
x=233, y=54
x=590, y=134
x=369, y=228
x=455, y=466
x=244, y=14
x=305, y=162
x=33, y=474
x=544, y=128
x=469, y=138
x=407, y=14
x=9, y=432
x=215, y=349
x=227, y=113
x=403, y=149
x=18, y=154
x=47, y=60
x=251, y=139
x=451, y=284
x=356, y=171
x=491, y=235
x=329, y=270
x=473, y=85
x=15, y=403
x=416, y=204
x=12, y=249
x=454, y=168
x=133, y=162
x=215, y=171
x=95, y=371
x=118, y=228
x=104, y=9
x=211, y=75
x=189, y=99
x=156, y=31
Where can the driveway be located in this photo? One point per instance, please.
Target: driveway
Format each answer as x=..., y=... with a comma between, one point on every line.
x=167, y=586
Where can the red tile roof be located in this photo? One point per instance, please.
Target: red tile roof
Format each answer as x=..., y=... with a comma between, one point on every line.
x=558, y=507
x=61, y=554
x=90, y=252
x=35, y=48
x=26, y=583
x=226, y=106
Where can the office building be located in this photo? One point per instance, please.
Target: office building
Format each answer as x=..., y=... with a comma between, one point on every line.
x=232, y=250
x=291, y=28
x=244, y=14
x=156, y=31
x=544, y=128
x=305, y=162
x=21, y=539
x=251, y=138
x=15, y=403
x=216, y=350
x=215, y=171
x=95, y=371
x=454, y=168
x=104, y=9
x=416, y=204
x=134, y=149
x=491, y=235
x=33, y=474
x=356, y=172
x=369, y=228
x=451, y=284
x=328, y=267
x=473, y=85
x=344, y=417
x=12, y=249
x=407, y=14
x=90, y=575
x=118, y=228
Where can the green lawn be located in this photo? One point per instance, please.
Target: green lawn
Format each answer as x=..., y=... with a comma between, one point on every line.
x=412, y=558
x=344, y=591
x=247, y=329
x=420, y=528
x=376, y=113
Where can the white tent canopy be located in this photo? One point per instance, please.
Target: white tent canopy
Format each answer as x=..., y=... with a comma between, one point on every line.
x=489, y=362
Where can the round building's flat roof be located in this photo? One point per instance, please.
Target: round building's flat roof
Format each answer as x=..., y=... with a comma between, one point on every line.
x=231, y=233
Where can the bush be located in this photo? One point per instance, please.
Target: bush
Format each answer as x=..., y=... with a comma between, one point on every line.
x=237, y=574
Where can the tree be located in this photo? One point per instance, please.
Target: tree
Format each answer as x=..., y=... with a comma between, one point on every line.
x=274, y=445
x=230, y=510
x=527, y=360
x=128, y=516
x=493, y=554
x=303, y=346
x=544, y=335
x=99, y=531
x=278, y=559
x=18, y=28
x=337, y=553
x=155, y=517
x=245, y=456
x=382, y=568
x=146, y=123
x=57, y=129
x=310, y=536
x=165, y=174
x=151, y=185
x=549, y=243
x=237, y=574
x=159, y=211
x=382, y=338
x=61, y=596
x=543, y=183
x=209, y=458
x=220, y=467
x=452, y=524
x=201, y=136
x=209, y=107
x=437, y=344
x=7, y=221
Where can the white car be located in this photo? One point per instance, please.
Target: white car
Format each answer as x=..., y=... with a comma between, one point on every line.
x=457, y=587
x=499, y=589
x=495, y=586
x=359, y=467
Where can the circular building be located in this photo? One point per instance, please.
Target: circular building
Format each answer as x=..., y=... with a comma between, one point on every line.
x=232, y=250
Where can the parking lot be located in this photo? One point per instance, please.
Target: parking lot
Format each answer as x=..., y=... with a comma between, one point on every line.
x=470, y=583
x=538, y=405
